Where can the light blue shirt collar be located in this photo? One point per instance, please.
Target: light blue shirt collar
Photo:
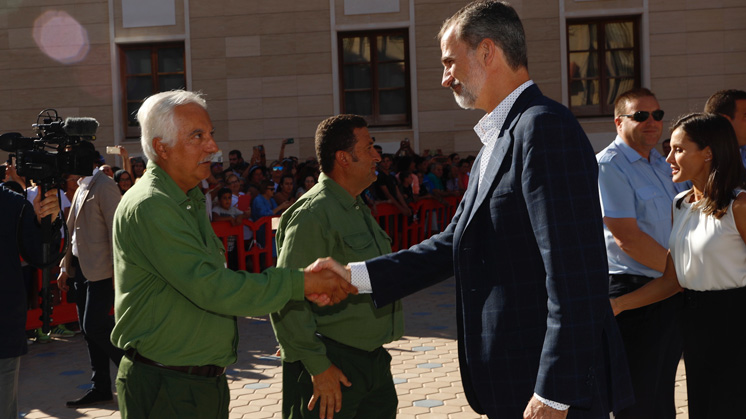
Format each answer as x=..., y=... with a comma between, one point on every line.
x=632, y=155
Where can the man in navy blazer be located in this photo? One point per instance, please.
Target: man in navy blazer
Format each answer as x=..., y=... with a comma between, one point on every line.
x=535, y=329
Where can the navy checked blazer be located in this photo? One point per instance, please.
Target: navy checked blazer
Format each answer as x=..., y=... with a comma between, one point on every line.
x=528, y=254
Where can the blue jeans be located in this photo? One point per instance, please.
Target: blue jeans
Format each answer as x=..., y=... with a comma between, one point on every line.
x=94, y=301
x=9, y=368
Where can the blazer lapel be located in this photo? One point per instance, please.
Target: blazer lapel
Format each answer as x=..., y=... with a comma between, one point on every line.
x=496, y=159
x=503, y=145
x=86, y=190
x=471, y=190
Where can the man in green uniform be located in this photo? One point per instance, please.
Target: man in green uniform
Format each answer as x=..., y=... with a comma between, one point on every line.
x=323, y=347
x=176, y=302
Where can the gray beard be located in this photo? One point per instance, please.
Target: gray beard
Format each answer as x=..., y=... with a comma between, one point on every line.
x=465, y=100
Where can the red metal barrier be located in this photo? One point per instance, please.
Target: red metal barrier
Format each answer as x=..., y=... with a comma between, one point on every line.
x=391, y=219
x=63, y=312
x=453, y=202
x=262, y=257
x=224, y=230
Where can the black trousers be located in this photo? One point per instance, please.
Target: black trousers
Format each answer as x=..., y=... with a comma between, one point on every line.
x=715, y=352
x=653, y=341
x=94, y=301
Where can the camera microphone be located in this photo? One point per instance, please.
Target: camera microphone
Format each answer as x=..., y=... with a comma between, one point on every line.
x=80, y=127
x=13, y=141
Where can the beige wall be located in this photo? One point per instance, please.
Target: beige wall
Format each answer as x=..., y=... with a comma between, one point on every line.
x=267, y=66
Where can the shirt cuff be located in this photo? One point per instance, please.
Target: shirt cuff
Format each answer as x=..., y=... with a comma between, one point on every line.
x=316, y=364
x=553, y=405
x=359, y=277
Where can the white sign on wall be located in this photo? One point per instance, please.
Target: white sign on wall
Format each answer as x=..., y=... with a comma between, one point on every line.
x=142, y=13
x=365, y=7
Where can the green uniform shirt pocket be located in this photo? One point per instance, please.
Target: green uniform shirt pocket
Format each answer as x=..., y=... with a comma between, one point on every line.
x=360, y=246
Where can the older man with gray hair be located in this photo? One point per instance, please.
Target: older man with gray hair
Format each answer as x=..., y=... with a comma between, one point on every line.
x=176, y=303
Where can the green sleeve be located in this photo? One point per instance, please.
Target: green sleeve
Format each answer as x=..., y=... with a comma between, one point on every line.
x=193, y=263
x=300, y=241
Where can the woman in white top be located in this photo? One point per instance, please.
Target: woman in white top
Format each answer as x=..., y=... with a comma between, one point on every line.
x=234, y=184
x=707, y=260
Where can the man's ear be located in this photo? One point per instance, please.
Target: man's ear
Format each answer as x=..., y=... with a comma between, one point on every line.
x=161, y=150
x=486, y=51
x=342, y=158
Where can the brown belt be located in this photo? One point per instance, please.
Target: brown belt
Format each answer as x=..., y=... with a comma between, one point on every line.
x=201, y=370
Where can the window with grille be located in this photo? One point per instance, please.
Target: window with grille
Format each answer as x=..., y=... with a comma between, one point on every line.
x=604, y=62
x=374, y=76
x=147, y=69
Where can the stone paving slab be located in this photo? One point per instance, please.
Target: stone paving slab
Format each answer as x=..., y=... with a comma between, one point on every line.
x=424, y=365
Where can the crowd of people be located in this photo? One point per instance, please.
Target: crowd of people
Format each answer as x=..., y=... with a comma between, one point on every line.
x=581, y=277
x=259, y=189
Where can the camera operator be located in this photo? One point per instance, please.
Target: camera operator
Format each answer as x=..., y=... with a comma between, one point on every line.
x=89, y=265
x=14, y=210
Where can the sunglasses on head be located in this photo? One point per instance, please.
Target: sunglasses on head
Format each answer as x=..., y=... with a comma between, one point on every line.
x=642, y=116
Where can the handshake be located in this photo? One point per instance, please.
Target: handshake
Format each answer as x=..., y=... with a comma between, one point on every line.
x=326, y=282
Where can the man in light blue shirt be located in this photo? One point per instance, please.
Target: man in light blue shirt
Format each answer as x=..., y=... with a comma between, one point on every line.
x=636, y=196
x=732, y=105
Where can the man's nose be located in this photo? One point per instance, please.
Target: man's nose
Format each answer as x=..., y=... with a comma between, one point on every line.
x=447, y=78
x=211, y=145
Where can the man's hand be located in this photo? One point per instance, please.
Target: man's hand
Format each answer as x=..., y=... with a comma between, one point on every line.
x=50, y=205
x=336, y=267
x=327, y=390
x=538, y=410
x=615, y=306
x=11, y=173
x=62, y=281
x=325, y=285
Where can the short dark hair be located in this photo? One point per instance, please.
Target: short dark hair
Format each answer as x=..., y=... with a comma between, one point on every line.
x=237, y=153
x=255, y=168
x=496, y=20
x=723, y=102
x=726, y=169
x=223, y=191
x=264, y=185
x=620, y=104
x=334, y=134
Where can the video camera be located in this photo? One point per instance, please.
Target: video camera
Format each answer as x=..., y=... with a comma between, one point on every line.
x=60, y=147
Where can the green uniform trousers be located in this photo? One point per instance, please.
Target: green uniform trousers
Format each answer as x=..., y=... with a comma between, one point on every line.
x=372, y=394
x=146, y=391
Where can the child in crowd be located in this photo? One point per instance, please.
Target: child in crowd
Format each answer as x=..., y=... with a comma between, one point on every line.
x=224, y=211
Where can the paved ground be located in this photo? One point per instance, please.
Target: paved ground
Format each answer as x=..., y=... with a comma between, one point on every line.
x=425, y=368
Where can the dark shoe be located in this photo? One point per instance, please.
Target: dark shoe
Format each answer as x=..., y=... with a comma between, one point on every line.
x=92, y=397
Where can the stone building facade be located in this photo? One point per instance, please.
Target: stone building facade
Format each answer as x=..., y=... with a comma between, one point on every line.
x=272, y=69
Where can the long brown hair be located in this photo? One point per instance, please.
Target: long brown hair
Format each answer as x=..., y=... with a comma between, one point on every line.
x=726, y=170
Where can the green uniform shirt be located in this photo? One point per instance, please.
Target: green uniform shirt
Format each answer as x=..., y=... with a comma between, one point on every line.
x=328, y=221
x=175, y=300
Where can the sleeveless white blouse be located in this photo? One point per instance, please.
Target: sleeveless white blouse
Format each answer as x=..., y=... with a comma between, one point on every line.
x=709, y=254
